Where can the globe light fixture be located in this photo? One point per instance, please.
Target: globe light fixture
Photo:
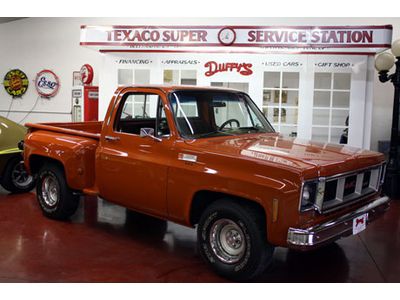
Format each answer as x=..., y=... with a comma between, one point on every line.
x=396, y=48
x=383, y=63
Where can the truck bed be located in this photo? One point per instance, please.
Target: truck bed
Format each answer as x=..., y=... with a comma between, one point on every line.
x=84, y=129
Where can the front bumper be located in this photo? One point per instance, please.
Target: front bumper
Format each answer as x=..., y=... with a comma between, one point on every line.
x=318, y=235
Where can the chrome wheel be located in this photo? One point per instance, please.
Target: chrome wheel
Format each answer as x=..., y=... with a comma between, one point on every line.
x=20, y=177
x=50, y=190
x=227, y=241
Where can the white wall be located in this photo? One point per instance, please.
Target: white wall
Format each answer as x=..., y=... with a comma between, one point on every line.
x=36, y=43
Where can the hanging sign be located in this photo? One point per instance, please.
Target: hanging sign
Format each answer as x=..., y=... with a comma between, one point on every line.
x=87, y=74
x=47, y=83
x=342, y=39
x=16, y=83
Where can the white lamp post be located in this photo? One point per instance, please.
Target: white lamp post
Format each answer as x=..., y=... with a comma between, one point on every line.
x=383, y=63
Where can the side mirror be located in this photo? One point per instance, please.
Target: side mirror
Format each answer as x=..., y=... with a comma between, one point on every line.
x=148, y=132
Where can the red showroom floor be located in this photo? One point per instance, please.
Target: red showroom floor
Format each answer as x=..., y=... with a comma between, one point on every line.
x=104, y=243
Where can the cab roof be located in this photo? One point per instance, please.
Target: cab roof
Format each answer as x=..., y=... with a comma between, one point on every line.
x=169, y=88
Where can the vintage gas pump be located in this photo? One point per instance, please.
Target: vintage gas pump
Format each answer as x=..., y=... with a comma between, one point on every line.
x=85, y=98
x=77, y=104
x=85, y=103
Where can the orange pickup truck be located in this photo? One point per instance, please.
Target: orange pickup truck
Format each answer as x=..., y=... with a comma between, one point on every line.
x=208, y=157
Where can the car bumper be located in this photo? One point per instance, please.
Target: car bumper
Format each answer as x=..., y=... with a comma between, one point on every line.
x=318, y=235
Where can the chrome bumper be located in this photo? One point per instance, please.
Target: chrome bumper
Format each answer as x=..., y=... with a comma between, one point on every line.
x=318, y=235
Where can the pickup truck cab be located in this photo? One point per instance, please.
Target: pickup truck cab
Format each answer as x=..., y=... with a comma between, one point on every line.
x=208, y=157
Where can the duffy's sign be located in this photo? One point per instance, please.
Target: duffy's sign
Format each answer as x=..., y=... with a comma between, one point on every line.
x=304, y=38
x=214, y=67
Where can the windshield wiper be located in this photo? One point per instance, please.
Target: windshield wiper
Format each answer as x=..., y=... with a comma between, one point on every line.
x=254, y=128
x=213, y=132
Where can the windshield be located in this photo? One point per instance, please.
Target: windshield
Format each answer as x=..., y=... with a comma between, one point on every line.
x=216, y=113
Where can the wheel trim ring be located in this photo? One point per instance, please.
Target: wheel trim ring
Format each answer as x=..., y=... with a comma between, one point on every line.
x=20, y=177
x=49, y=191
x=220, y=245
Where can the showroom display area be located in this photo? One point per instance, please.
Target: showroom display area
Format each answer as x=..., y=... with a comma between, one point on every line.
x=311, y=82
x=192, y=156
x=62, y=54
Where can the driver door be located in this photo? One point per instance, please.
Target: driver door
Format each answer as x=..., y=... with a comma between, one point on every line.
x=133, y=169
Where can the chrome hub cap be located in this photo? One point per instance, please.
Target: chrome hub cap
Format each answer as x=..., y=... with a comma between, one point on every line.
x=20, y=177
x=50, y=191
x=227, y=241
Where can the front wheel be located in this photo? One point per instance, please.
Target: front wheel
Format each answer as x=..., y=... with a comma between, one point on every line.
x=232, y=240
x=55, y=198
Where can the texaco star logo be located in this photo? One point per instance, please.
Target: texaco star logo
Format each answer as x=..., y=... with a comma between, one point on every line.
x=227, y=36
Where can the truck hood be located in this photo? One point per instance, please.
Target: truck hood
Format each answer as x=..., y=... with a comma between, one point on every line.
x=324, y=158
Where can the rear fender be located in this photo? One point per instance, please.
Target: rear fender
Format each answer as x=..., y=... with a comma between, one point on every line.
x=76, y=155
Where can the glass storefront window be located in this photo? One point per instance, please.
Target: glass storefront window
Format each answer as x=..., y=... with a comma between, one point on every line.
x=180, y=77
x=131, y=76
x=272, y=79
x=341, y=99
x=342, y=81
x=241, y=86
x=281, y=101
x=336, y=133
x=319, y=134
x=290, y=80
x=331, y=106
x=188, y=77
x=322, y=80
x=289, y=116
x=322, y=99
x=290, y=131
x=321, y=116
x=339, y=117
x=125, y=76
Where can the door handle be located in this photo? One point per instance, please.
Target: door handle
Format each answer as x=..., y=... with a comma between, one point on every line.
x=111, y=138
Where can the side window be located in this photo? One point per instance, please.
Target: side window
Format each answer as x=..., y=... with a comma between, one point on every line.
x=139, y=106
x=138, y=111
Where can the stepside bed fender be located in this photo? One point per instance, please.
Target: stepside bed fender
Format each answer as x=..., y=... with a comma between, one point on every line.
x=75, y=154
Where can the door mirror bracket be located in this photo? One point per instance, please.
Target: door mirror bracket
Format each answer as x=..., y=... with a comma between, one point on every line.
x=149, y=132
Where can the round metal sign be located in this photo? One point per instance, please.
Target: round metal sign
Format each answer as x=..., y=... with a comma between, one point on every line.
x=47, y=83
x=16, y=83
x=87, y=74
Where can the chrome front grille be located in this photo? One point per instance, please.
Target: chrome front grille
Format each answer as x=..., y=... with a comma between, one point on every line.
x=342, y=189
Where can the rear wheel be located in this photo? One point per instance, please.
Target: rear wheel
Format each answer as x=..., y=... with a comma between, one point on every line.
x=15, y=177
x=55, y=198
x=232, y=240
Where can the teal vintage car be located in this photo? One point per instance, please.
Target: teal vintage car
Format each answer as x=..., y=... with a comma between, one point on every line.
x=13, y=176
